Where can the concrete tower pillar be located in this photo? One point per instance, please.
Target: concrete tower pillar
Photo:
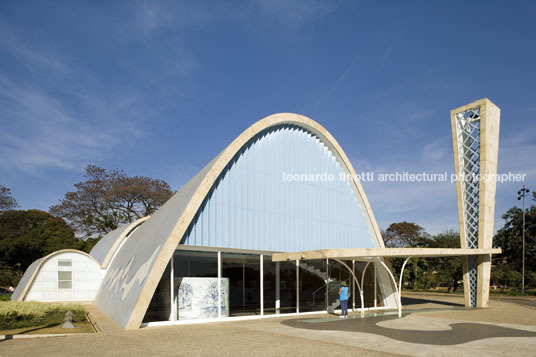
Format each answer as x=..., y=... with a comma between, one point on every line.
x=475, y=141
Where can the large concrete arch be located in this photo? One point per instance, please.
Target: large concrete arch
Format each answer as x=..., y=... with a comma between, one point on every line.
x=134, y=275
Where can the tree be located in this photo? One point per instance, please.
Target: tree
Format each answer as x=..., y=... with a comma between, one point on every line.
x=108, y=199
x=6, y=200
x=404, y=235
x=425, y=272
x=447, y=269
x=26, y=236
x=407, y=235
x=509, y=239
x=505, y=277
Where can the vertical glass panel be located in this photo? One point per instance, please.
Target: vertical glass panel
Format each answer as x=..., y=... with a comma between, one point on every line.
x=313, y=279
x=160, y=306
x=65, y=275
x=368, y=286
x=195, y=264
x=195, y=285
x=378, y=288
x=270, y=286
x=279, y=298
x=337, y=274
x=65, y=263
x=287, y=286
x=65, y=284
x=243, y=272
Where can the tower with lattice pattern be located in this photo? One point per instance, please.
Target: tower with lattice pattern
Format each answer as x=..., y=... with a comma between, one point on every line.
x=475, y=139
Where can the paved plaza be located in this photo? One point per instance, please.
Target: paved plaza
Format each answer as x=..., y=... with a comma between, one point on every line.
x=431, y=325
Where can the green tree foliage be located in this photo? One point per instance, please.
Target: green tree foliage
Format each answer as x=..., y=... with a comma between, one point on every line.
x=508, y=265
x=6, y=200
x=503, y=276
x=425, y=272
x=408, y=235
x=446, y=270
x=510, y=239
x=26, y=236
x=404, y=235
x=109, y=199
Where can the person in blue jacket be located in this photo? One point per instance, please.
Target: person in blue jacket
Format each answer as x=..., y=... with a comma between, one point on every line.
x=343, y=297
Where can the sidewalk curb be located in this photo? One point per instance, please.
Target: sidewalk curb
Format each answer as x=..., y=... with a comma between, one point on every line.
x=17, y=337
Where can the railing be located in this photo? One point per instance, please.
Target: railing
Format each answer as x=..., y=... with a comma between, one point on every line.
x=333, y=287
x=317, y=290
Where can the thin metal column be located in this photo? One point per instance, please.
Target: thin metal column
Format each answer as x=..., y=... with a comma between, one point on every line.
x=375, y=286
x=243, y=285
x=362, y=292
x=353, y=286
x=219, y=284
x=297, y=286
x=400, y=288
x=172, y=275
x=327, y=283
x=262, y=284
x=277, y=290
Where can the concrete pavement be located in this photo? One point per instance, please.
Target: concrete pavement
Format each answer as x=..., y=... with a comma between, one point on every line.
x=436, y=325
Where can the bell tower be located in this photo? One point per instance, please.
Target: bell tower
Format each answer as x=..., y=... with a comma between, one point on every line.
x=475, y=141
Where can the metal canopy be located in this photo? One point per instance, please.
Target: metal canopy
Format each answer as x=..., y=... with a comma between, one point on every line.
x=364, y=253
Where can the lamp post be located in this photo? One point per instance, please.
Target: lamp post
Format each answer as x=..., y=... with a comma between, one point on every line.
x=521, y=195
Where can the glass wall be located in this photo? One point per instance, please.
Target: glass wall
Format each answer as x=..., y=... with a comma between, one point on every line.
x=287, y=287
x=313, y=279
x=372, y=295
x=337, y=274
x=195, y=264
x=245, y=287
x=243, y=272
x=195, y=286
x=271, y=286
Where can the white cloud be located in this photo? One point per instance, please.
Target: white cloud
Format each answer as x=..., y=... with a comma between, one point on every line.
x=388, y=51
x=419, y=114
x=38, y=131
x=324, y=96
x=295, y=13
x=433, y=205
x=59, y=114
x=437, y=150
x=149, y=17
x=32, y=57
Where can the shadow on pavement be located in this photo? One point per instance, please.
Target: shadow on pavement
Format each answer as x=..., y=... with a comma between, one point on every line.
x=458, y=334
x=415, y=301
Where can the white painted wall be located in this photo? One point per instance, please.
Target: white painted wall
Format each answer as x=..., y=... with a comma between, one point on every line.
x=86, y=279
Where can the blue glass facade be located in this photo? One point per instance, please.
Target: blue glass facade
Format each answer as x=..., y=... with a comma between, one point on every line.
x=284, y=191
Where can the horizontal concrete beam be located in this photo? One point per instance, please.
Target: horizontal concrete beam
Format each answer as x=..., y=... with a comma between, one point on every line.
x=363, y=253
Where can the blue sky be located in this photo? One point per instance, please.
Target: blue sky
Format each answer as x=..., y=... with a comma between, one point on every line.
x=159, y=88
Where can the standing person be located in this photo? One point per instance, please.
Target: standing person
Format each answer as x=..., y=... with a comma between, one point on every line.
x=343, y=297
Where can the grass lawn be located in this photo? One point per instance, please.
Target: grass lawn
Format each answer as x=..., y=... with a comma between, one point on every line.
x=30, y=317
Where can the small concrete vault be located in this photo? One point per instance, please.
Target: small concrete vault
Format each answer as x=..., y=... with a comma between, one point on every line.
x=218, y=248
